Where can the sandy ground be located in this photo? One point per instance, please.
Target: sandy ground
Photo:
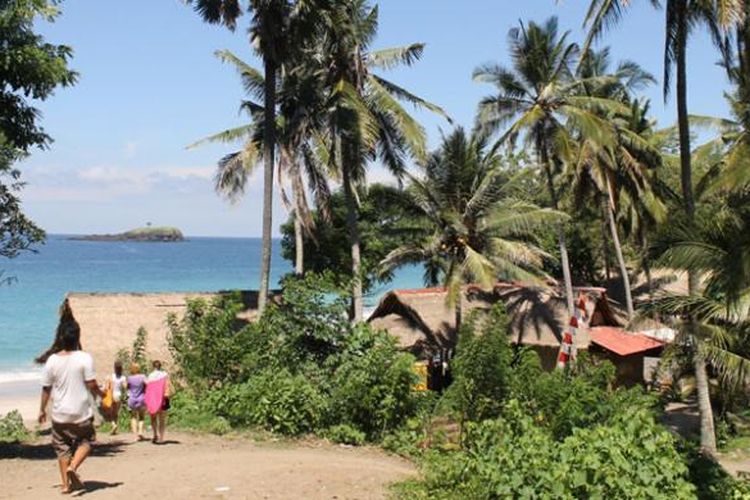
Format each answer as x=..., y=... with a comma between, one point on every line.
x=21, y=396
x=200, y=466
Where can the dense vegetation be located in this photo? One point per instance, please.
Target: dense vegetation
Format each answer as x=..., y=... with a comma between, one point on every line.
x=565, y=176
x=505, y=428
x=301, y=368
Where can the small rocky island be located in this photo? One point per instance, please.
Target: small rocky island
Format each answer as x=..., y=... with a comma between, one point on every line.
x=145, y=234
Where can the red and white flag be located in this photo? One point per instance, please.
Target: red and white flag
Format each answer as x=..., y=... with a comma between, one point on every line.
x=577, y=322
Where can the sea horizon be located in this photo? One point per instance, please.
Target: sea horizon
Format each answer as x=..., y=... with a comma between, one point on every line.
x=29, y=306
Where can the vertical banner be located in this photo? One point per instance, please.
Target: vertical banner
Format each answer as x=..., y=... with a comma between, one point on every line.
x=577, y=322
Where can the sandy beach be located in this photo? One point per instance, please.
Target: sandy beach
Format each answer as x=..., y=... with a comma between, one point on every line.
x=22, y=396
x=204, y=466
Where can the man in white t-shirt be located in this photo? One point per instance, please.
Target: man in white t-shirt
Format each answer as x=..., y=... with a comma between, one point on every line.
x=67, y=379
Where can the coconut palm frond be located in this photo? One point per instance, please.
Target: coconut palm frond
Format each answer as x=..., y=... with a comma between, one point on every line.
x=518, y=217
x=406, y=96
x=252, y=79
x=732, y=367
x=396, y=56
x=410, y=130
x=226, y=136
x=478, y=268
x=233, y=170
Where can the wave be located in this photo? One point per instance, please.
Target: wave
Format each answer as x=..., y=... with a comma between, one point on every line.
x=20, y=375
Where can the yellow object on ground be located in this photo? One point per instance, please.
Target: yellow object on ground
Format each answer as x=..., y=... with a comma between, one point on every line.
x=420, y=368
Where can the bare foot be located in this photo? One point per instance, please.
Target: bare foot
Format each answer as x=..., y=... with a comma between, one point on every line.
x=74, y=480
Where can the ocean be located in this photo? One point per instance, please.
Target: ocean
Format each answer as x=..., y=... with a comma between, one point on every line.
x=29, y=305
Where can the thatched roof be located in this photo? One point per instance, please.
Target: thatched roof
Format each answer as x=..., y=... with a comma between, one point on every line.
x=422, y=322
x=109, y=321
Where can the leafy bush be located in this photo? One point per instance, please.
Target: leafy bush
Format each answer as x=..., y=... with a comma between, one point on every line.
x=371, y=384
x=136, y=353
x=563, y=402
x=192, y=413
x=279, y=402
x=299, y=368
x=512, y=457
x=12, y=429
x=713, y=482
x=345, y=434
x=209, y=342
x=481, y=369
x=630, y=457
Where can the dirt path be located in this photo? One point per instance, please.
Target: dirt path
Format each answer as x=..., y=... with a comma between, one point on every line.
x=192, y=466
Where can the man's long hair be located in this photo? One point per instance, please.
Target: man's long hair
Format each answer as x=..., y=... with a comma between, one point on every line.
x=68, y=335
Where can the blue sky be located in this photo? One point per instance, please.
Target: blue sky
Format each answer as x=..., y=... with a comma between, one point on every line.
x=150, y=85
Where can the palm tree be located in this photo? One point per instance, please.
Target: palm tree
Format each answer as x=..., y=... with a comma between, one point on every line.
x=475, y=229
x=366, y=119
x=541, y=98
x=717, y=246
x=276, y=26
x=298, y=132
x=621, y=175
x=681, y=16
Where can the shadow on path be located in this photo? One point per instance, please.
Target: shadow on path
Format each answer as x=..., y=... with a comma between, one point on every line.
x=44, y=451
x=91, y=486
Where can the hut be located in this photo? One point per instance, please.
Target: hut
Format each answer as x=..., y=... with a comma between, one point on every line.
x=109, y=321
x=424, y=325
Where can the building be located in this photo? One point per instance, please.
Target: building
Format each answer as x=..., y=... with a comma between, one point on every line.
x=425, y=326
x=109, y=321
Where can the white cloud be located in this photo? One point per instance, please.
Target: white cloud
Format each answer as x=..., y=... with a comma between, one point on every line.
x=98, y=183
x=188, y=172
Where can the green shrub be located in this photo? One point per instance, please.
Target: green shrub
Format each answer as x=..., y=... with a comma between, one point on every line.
x=189, y=412
x=563, y=402
x=277, y=401
x=302, y=366
x=209, y=343
x=137, y=352
x=481, y=368
x=512, y=457
x=345, y=434
x=631, y=456
x=371, y=384
x=713, y=482
x=12, y=429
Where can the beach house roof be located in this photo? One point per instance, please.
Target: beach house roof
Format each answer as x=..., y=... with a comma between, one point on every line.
x=109, y=321
x=423, y=323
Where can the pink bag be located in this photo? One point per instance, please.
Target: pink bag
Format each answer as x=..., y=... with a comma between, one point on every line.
x=155, y=390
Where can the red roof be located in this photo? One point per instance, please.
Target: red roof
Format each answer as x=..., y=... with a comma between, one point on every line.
x=621, y=342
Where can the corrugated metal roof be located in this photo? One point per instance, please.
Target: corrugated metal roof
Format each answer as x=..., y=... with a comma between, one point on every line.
x=621, y=342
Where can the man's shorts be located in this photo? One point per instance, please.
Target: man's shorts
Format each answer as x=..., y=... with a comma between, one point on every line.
x=66, y=438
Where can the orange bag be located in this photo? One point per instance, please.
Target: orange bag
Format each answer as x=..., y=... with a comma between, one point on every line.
x=108, y=398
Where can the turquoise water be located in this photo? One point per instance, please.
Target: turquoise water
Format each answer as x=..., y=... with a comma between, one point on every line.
x=28, y=307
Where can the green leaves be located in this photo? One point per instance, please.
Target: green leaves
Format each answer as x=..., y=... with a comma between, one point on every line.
x=393, y=57
x=630, y=456
x=473, y=227
x=302, y=367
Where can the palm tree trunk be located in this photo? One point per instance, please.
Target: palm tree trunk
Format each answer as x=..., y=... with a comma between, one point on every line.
x=565, y=263
x=269, y=151
x=708, y=438
x=459, y=312
x=647, y=272
x=299, y=245
x=620, y=258
x=605, y=247
x=564, y=260
x=686, y=173
x=354, y=241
